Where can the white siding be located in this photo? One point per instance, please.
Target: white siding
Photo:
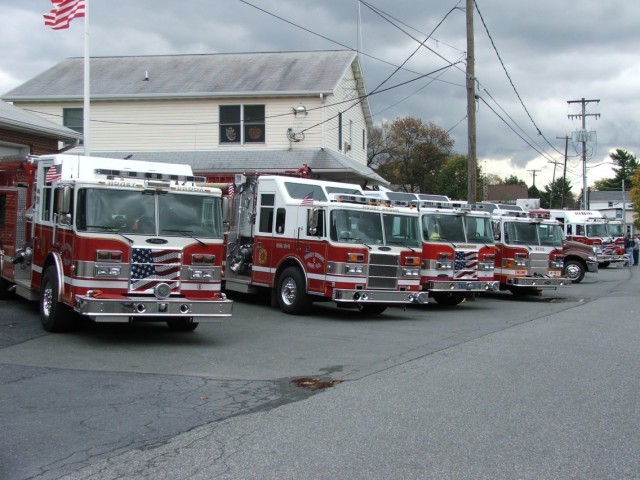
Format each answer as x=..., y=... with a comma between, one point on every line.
x=353, y=122
x=192, y=124
x=187, y=125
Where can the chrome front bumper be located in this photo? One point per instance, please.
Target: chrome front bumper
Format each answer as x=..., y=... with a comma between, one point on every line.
x=462, y=286
x=541, y=283
x=378, y=296
x=146, y=308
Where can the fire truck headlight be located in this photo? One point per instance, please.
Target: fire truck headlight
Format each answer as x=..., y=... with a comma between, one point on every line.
x=354, y=269
x=107, y=271
x=444, y=265
x=200, y=274
x=592, y=259
x=410, y=272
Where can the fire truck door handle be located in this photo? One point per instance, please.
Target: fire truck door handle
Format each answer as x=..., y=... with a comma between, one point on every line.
x=258, y=244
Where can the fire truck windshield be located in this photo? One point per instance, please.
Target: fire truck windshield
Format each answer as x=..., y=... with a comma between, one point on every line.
x=598, y=230
x=479, y=229
x=533, y=233
x=374, y=228
x=446, y=227
x=616, y=230
x=134, y=212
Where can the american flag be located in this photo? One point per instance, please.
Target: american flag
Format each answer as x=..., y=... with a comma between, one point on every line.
x=307, y=200
x=149, y=267
x=465, y=265
x=63, y=12
x=54, y=173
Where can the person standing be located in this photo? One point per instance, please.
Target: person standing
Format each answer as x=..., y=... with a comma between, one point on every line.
x=628, y=249
x=636, y=248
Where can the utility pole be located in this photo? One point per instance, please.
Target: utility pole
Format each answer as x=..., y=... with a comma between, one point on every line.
x=583, y=139
x=564, y=172
x=471, y=108
x=534, y=176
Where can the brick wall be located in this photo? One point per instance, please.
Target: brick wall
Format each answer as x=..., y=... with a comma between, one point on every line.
x=38, y=145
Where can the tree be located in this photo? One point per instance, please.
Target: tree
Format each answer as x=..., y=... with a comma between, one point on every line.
x=557, y=194
x=513, y=180
x=452, y=178
x=626, y=165
x=415, y=152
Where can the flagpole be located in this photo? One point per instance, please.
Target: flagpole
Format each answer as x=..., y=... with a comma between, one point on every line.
x=87, y=95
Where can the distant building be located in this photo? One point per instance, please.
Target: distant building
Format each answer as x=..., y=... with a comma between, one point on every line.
x=506, y=193
x=219, y=113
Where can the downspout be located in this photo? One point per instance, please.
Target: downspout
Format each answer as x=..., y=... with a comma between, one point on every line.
x=75, y=143
x=324, y=116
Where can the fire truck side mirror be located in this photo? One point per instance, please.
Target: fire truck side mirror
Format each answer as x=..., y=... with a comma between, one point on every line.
x=227, y=203
x=64, y=199
x=312, y=221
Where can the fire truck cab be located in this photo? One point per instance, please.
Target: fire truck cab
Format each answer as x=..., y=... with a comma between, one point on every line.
x=458, y=251
x=310, y=240
x=529, y=255
x=113, y=240
x=591, y=228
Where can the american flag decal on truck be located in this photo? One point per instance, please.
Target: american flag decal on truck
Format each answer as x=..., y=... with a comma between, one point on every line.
x=466, y=265
x=150, y=266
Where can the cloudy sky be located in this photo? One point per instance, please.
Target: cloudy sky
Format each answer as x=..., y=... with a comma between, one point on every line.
x=532, y=58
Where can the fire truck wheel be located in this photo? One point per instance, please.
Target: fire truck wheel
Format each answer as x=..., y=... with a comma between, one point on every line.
x=448, y=299
x=291, y=292
x=603, y=265
x=574, y=270
x=182, y=324
x=371, y=308
x=54, y=316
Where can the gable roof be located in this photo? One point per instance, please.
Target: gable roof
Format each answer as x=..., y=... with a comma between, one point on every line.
x=18, y=120
x=204, y=75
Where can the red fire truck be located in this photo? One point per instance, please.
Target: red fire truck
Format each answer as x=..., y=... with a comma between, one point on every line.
x=591, y=228
x=529, y=255
x=311, y=240
x=113, y=240
x=458, y=252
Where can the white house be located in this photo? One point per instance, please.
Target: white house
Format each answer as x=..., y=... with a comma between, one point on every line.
x=220, y=113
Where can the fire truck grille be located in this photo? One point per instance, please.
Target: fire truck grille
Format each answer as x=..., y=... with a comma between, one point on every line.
x=152, y=266
x=539, y=263
x=383, y=271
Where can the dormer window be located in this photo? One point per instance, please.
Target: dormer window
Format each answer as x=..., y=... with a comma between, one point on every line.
x=240, y=124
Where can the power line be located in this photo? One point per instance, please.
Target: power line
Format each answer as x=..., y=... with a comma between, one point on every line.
x=510, y=80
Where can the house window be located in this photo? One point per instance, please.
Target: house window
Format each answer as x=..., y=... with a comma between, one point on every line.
x=240, y=124
x=73, y=118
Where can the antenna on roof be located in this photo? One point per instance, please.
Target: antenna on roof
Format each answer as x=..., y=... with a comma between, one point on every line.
x=146, y=75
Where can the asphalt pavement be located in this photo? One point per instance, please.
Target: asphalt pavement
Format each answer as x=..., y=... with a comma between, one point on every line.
x=555, y=397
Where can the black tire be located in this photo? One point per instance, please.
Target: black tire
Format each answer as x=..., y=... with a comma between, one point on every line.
x=371, y=308
x=291, y=292
x=574, y=270
x=524, y=291
x=53, y=314
x=448, y=299
x=182, y=324
x=5, y=290
x=604, y=264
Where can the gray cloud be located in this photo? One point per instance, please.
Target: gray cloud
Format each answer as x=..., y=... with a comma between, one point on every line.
x=553, y=52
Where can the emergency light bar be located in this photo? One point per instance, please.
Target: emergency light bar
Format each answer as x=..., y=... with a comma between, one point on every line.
x=113, y=174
